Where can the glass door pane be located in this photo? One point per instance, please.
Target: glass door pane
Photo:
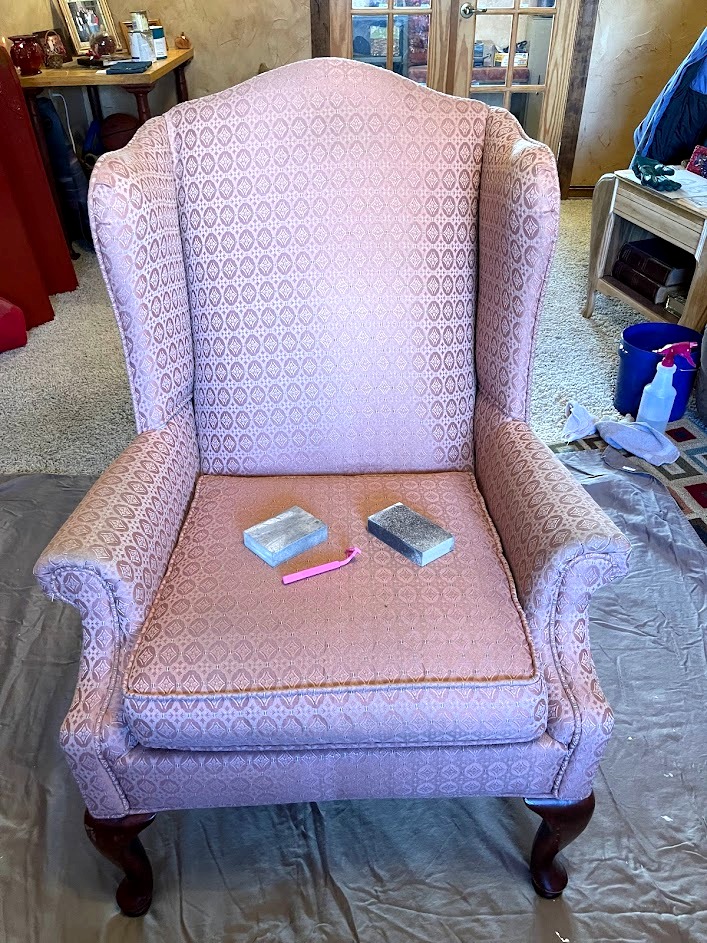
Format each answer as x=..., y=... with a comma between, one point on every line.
x=527, y=108
x=415, y=43
x=492, y=36
x=494, y=99
x=533, y=40
x=370, y=39
x=410, y=37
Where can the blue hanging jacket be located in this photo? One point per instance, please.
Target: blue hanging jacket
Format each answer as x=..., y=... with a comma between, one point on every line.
x=677, y=121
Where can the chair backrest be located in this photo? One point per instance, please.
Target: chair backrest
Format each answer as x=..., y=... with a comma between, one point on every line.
x=329, y=213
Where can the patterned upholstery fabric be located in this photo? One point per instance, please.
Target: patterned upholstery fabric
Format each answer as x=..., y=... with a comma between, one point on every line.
x=561, y=547
x=174, y=779
x=329, y=231
x=518, y=222
x=108, y=561
x=294, y=266
x=138, y=242
x=381, y=653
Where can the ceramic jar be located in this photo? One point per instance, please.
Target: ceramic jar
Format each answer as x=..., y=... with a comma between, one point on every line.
x=27, y=54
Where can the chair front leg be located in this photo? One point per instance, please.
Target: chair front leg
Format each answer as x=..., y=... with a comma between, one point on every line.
x=563, y=821
x=117, y=840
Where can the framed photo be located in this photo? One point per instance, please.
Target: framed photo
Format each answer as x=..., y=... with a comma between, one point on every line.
x=125, y=26
x=85, y=19
x=48, y=39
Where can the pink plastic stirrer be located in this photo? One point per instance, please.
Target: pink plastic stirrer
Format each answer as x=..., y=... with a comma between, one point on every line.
x=322, y=568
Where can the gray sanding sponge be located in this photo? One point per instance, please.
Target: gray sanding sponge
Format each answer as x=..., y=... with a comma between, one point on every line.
x=410, y=533
x=282, y=537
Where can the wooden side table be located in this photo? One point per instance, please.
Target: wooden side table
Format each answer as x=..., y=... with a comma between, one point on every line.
x=623, y=210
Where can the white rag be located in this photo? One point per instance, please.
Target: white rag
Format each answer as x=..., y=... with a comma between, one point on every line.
x=638, y=438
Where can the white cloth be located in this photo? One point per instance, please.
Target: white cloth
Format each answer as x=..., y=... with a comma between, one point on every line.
x=638, y=438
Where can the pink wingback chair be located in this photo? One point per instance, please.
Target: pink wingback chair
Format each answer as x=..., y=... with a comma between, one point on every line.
x=327, y=282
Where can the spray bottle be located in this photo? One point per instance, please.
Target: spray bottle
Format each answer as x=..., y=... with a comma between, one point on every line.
x=659, y=395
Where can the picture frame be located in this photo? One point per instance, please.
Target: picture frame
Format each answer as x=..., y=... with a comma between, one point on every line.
x=87, y=18
x=125, y=26
x=43, y=36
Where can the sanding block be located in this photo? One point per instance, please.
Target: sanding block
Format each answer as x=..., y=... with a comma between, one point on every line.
x=411, y=534
x=282, y=537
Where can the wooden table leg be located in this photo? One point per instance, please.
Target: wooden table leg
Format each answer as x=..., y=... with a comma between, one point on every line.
x=181, y=82
x=695, y=314
x=143, y=105
x=602, y=226
x=31, y=100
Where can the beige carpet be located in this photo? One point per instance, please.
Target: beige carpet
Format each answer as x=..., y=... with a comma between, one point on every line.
x=65, y=405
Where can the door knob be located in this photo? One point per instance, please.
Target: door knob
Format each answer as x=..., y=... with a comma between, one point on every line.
x=467, y=10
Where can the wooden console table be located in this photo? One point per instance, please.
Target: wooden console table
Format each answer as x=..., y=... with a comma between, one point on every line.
x=140, y=85
x=623, y=210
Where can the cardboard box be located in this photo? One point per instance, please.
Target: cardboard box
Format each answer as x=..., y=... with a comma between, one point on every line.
x=520, y=59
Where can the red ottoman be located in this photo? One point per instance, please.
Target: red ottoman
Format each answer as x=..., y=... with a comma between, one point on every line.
x=13, y=332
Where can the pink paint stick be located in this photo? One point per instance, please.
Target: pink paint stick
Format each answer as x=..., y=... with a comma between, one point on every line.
x=322, y=568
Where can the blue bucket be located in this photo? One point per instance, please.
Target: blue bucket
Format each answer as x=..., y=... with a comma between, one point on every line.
x=637, y=365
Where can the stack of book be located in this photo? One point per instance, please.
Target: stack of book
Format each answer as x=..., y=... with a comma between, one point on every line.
x=654, y=269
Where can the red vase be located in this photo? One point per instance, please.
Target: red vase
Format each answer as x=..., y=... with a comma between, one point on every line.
x=27, y=54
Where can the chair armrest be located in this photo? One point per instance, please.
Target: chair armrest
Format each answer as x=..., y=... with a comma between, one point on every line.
x=125, y=528
x=561, y=548
x=108, y=561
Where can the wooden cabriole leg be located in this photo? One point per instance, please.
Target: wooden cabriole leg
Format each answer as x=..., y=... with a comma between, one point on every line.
x=117, y=840
x=562, y=822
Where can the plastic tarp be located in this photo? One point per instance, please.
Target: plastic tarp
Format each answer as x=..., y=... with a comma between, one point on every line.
x=424, y=871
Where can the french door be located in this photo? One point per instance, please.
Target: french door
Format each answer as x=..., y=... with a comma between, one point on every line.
x=512, y=53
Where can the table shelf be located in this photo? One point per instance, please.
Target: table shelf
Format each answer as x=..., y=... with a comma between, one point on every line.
x=613, y=288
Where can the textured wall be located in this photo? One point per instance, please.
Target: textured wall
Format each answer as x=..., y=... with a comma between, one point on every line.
x=25, y=16
x=637, y=47
x=231, y=37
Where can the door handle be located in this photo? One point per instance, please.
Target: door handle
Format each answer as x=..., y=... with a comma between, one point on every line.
x=467, y=10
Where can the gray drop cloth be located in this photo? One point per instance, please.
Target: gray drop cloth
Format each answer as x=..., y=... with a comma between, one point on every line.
x=378, y=872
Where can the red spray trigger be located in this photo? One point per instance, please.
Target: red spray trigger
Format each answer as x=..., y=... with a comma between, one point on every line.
x=671, y=351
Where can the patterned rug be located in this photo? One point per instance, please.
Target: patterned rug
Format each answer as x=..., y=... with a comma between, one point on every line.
x=685, y=479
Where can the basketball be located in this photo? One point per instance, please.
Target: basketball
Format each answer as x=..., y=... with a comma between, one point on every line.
x=116, y=131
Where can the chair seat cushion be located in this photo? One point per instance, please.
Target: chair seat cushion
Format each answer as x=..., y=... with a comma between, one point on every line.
x=379, y=653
